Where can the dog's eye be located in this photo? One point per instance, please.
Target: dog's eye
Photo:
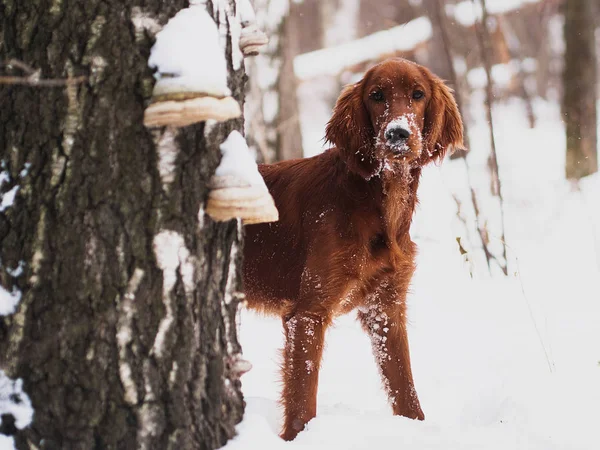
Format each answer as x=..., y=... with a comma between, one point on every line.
x=418, y=95
x=377, y=96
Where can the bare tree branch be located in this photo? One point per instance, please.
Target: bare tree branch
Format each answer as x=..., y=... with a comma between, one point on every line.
x=33, y=76
x=514, y=51
x=483, y=42
x=19, y=65
x=50, y=82
x=439, y=17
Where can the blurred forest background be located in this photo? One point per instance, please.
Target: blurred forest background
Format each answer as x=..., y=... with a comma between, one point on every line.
x=508, y=272
x=530, y=49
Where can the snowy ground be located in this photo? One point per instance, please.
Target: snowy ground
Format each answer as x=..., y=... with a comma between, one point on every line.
x=499, y=363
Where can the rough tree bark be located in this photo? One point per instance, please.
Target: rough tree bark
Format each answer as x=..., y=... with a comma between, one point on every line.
x=125, y=333
x=579, y=89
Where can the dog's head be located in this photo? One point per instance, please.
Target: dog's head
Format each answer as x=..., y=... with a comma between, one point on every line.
x=398, y=114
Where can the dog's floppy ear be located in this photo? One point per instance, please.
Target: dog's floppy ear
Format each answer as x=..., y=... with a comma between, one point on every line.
x=350, y=130
x=443, y=125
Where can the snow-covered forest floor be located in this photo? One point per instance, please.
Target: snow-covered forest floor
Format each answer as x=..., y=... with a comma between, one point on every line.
x=499, y=362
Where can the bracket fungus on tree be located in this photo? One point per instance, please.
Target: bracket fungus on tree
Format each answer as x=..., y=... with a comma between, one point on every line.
x=237, y=187
x=191, y=73
x=252, y=39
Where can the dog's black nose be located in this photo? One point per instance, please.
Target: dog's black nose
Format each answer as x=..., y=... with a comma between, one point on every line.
x=397, y=134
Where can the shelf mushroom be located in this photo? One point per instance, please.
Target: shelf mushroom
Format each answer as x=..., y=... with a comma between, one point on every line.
x=237, y=187
x=252, y=39
x=191, y=73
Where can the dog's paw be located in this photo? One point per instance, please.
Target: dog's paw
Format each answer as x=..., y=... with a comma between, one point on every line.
x=291, y=430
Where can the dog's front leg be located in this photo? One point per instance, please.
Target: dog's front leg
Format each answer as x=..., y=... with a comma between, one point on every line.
x=385, y=322
x=305, y=333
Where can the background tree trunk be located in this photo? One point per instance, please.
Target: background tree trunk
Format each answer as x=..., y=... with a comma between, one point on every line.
x=580, y=92
x=274, y=123
x=125, y=333
x=442, y=62
x=288, y=124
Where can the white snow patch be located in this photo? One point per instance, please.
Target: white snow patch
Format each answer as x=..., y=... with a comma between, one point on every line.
x=9, y=301
x=245, y=12
x=17, y=271
x=239, y=161
x=468, y=12
x=127, y=311
x=407, y=122
x=502, y=74
x=237, y=57
x=310, y=366
x=230, y=291
x=25, y=170
x=143, y=21
x=14, y=401
x=189, y=51
x=171, y=254
x=333, y=60
x=167, y=156
x=8, y=198
x=4, y=175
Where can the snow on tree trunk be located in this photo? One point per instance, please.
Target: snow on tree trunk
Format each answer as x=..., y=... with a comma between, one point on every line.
x=272, y=101
x=579, y=89
x=123, y=329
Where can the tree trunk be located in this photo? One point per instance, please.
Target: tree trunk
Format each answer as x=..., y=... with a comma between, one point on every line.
x=272, y=100
x=289, y=134
x=579, y=89
x=125, y=332
x=443, y=55
x=485, y=50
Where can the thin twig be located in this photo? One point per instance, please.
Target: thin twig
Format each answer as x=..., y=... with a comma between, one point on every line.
x=19, y=65
x=49, y=82
x=531, y=315
x=441, y=18
x=484, y=241
x=480, y=231
x=483, y=42
x=464, y=253
x=33, y=76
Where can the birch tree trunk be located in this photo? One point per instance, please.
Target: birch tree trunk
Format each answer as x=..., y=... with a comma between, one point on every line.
x=272, y=100
x=579, y=89
x=125, y=333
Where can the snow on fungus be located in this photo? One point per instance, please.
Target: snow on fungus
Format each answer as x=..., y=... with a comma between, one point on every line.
x=191, y=73
x=237, y=188
x=246, y=12
x=188, y=55
x=238, y=161
x=252, y=39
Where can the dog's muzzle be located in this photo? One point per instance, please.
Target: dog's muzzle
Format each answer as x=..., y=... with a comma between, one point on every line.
x=397, y=137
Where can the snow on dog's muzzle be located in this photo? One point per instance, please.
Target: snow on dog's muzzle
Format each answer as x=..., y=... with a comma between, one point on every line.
x=397, y=135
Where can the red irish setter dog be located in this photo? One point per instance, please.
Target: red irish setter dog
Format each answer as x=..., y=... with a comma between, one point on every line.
x=342, y=241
